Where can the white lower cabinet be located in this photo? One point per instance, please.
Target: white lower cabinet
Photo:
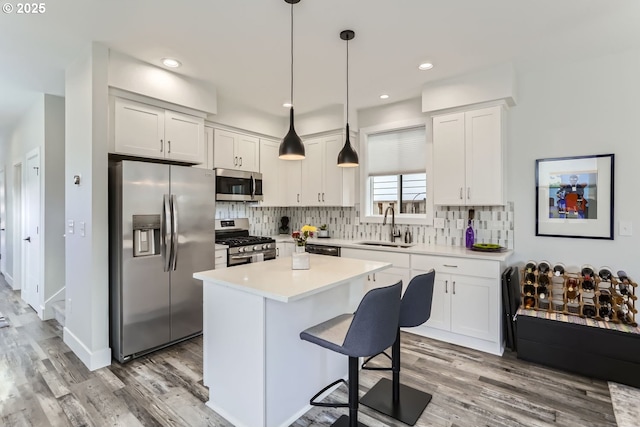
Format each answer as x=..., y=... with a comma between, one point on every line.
x=390, y=276
x=221, y=259
x=284, y=249
x=466, y=306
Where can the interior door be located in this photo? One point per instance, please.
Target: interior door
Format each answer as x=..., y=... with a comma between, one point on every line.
x=3, y=222
x=31, y=234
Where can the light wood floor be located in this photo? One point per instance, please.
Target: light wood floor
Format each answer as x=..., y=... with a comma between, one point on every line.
x=42, y=383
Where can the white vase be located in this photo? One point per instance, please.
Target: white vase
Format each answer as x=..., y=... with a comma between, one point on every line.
x=300, y=249
x=300, y=260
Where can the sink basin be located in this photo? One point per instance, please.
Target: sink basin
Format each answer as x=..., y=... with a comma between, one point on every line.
x=386, y=244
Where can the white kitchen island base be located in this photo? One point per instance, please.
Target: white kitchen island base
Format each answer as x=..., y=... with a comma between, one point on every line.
x=259, y=372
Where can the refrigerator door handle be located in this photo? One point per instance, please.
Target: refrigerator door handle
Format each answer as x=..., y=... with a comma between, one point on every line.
x=174, y=238
x=167, y=240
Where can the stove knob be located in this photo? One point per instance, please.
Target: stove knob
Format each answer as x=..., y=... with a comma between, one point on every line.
x=240, y=249
x=265, y=246
x=257, y=248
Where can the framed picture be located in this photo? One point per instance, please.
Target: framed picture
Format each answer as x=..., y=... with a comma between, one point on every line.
x=574, y=197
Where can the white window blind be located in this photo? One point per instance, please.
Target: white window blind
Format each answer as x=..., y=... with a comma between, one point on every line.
x=398, y=152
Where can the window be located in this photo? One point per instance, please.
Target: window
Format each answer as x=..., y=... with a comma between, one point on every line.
x=396, y=172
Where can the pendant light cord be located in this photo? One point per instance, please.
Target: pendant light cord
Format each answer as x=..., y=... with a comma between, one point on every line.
x=347, y=81
x=291, y=55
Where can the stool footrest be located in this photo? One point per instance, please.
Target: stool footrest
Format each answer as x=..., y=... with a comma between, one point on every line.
x=328, y=405
x=407, y=409
x=364, y=364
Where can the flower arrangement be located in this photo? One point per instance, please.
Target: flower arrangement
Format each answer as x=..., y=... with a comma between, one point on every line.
x=300, y=237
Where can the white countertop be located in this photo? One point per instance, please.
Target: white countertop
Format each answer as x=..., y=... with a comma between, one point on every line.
x=421, y=249
x=276, y=280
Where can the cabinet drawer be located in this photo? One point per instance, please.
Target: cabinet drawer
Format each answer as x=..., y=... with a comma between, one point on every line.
x=469, y=267
x=398, y=260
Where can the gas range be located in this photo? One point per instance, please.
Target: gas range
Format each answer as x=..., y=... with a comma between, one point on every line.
x=243, y=248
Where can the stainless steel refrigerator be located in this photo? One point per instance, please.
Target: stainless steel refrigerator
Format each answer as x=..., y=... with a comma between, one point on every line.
x=162, y=221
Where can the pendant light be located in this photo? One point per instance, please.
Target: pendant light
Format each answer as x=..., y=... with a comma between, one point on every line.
x=291, y=147
x=347, y=158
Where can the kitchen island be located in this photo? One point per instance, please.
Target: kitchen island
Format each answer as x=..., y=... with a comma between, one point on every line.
x=259, y=372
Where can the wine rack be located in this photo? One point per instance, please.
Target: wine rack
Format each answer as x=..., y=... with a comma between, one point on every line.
x=588, y=293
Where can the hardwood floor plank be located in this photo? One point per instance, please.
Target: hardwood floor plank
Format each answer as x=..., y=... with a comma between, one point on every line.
x=75, y=412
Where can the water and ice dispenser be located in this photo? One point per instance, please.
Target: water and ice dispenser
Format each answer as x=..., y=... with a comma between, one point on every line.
x=146, y=235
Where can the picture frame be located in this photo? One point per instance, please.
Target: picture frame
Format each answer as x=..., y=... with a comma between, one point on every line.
x=575, y=196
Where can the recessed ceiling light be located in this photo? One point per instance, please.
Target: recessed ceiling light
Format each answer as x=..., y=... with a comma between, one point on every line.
x=425, y=66
x=384, y=96
x=287, y=105
x=171, y=63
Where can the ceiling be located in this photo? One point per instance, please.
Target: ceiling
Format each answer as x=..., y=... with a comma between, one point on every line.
x=242, y=46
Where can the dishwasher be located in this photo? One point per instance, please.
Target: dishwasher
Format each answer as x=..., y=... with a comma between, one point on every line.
x=323, y=249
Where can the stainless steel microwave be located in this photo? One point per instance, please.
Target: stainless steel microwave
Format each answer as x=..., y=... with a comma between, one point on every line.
x=234, y=185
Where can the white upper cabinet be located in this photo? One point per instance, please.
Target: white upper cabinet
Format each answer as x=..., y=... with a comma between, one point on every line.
x=152, y=132
x=468, y=158
x=208, y=148
x=185, y=137
x=274, y=174
x=323, y=182
x=236, y=151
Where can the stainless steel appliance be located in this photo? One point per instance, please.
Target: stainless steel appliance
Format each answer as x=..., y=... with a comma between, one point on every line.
x=238, y=185
x=161, y=228
x=243, y=248
x=323, y=249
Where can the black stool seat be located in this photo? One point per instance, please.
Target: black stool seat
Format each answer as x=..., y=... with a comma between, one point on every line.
x=389, y=397
x=367, y=332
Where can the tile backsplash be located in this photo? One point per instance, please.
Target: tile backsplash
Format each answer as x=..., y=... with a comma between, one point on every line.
x=491, y=224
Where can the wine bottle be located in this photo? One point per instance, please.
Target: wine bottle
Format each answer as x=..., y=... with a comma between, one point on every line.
x=587, y=278
x=543, y=267
x=469, y=234
x=623, y=286
x=589, y=311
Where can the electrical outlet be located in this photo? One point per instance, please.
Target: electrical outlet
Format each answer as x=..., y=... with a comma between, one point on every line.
x=625, y=228
x=82, y=228
x=460, y=224
x=438, y=223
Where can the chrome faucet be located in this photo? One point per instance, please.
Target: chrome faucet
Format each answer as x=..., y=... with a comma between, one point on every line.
x=394, y=233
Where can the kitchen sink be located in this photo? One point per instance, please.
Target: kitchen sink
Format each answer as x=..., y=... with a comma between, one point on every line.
x=386, y=244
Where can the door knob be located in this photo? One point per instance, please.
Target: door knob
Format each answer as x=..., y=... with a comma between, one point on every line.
x=28, y=239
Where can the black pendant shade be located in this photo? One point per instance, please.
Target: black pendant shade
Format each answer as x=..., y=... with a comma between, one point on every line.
x=291, y=147
x=347, y=158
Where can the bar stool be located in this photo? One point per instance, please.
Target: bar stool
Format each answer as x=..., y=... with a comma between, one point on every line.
x=370, y=330
x=391, y=398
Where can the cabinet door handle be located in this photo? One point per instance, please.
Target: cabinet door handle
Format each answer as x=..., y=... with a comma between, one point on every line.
x=374, y=277
x=468, y=192
x=460, y=193
x=240, y=161
x=235, y=161
x=168, y=147
x=446, y=286
x=454, y=287
x=161, y=146
x=323, y=197
x=318, y=196
x=277, y=252
x=298, y=197
x=450, y=265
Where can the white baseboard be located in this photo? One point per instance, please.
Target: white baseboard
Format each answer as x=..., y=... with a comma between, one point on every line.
x=92, y=359
x=9, y=280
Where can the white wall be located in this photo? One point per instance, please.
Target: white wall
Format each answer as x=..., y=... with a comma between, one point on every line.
x=27, y=134
x=243, y=117
x=580, y=108
x=87, y=260
x=393, y=112
x=53, y=198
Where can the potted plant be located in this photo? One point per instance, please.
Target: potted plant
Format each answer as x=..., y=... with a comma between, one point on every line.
x=323, y=232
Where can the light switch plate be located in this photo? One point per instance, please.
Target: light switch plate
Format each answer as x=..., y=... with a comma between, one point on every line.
x=625, y=228
x=70, y=226
x=356, y=221
x=82, y=228
x=460, y=224
x=438, y=223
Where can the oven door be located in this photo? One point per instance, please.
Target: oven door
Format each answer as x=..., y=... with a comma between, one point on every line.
x=233, y=185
